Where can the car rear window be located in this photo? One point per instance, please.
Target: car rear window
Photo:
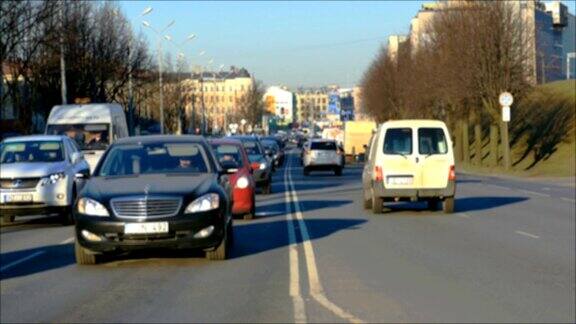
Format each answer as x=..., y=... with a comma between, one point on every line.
x=432, y=141
x=228, y=152
x=398, y=141
x=323, y=146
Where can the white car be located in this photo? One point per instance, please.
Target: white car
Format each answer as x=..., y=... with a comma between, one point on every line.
x=38, y=176
x=322, y=155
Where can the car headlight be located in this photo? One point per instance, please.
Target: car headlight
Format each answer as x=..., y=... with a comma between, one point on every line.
x=204, y=203
x=242, y=182
x=53, y=178
x=91, y=207
x=262, y=166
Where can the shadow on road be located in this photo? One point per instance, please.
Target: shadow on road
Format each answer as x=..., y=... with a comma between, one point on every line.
x=279, y=209
x=52, y=257
x=482, y=203
x=27, y=223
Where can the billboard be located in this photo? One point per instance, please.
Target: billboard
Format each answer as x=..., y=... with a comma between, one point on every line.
x=333, y=103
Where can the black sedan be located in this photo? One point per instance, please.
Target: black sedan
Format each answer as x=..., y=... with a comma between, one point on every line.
x=155, y=192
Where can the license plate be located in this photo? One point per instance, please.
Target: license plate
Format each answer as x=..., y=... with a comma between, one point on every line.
x=146, y=228
x=16, y=198
x=400, y=180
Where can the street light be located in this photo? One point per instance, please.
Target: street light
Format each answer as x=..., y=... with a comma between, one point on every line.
x=160, y=38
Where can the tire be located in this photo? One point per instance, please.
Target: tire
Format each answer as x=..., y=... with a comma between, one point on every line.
x=306, y=171
x=448, y=205
x=252, y=213
x=432, y=204
x=221, y=252
x=377, y=204
x=83, y=256
x=367, y=202
x=267, y=189
x=8, y=219
x=338, y=171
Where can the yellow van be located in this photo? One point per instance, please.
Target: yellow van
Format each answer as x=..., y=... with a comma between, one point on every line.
x=410, y=160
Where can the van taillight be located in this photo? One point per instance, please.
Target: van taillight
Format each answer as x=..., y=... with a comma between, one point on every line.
x=378, y=172
x=452, y=174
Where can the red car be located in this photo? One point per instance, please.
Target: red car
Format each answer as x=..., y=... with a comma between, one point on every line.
x=243, y=185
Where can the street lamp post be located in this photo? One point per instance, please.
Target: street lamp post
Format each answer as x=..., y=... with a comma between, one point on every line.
x=62, y=60
x=161, y=97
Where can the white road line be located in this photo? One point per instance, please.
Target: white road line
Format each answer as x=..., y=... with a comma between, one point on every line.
x=527, y=234
x=68, y=240
x=316, y=289
x=24, y=259
x=463, y=215
x=534, y=193
x=546, y=189
x=297, y=300
x=568, y=199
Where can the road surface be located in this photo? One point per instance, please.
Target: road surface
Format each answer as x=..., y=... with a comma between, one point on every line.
x=313, y=254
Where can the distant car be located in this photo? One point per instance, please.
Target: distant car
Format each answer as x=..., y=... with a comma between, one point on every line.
x=155, y=192
x=322, y=155
x=38, y=176
x=261, y=164
x=410, y=160
x=274, y=152
x=242, y=182
x=276, y=138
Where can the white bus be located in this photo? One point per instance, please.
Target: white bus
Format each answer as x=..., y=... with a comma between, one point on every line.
x=92, y=126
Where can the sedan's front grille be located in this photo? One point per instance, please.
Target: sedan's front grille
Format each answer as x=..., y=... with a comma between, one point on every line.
x=146, y=206
x=20, y=183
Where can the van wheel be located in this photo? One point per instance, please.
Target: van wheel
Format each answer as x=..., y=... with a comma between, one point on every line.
x=377, y=204
x=338, y=171
x=432, y=204
x=449, y=205
x=83, y=255
x=367, y=202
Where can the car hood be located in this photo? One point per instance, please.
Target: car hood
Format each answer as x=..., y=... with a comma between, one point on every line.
x=30, y=169
x=105, y=188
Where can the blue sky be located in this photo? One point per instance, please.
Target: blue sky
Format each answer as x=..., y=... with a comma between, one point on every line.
x=281, y=43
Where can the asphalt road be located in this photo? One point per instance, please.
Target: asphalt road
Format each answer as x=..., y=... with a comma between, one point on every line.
x=313, y=254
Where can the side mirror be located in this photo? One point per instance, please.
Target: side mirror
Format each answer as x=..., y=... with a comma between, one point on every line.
x=268, y=152
x=365, y=146
x=76, y=157
x=80, y=180
x=229, y=167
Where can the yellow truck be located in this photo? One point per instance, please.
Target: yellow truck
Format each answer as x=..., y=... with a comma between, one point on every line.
x=356, y=135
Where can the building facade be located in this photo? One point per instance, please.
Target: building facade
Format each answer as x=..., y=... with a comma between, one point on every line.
x=219, y=94
x=312, y=104
x=279, y=102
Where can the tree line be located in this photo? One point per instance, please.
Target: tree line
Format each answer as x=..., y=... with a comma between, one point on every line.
x=469, y=53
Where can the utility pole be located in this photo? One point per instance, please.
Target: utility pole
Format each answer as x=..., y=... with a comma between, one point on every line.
x=62, y=61
x=130, y=90
x=203, y=121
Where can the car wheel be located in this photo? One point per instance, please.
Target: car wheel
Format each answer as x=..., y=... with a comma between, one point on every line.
x=221, y=252
x=83, y=255
x=377, y=204
x=306, y=171
x=67, y=215
x=267, y=189
x=8, y=219
x=448, y=205
x=338, y=171
x=367, y=202
x=432, y=204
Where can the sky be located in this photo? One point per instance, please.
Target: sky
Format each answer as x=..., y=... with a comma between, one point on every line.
x=307, y=43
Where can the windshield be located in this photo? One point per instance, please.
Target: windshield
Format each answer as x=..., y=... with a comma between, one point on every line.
x=154, y=158
x=398, y=141
x=87, y=136
x=37, y=151
x=227, y=152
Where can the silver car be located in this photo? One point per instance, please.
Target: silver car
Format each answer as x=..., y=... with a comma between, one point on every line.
x=322, y=155
x=38, y=175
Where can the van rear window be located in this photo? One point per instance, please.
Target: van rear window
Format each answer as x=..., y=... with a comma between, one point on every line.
x=432, y=141
x=398, y=141
x=324, y=146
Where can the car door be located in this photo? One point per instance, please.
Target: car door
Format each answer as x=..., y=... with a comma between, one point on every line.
x=434, y=154
x=400, y=160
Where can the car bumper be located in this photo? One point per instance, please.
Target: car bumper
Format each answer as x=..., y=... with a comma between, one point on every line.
x=43, y=199
x=243, y=201
x=322, y=166
x=415, y=194
x=180, y=234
